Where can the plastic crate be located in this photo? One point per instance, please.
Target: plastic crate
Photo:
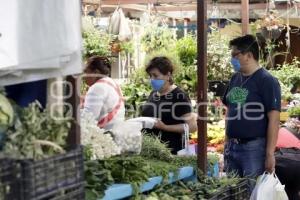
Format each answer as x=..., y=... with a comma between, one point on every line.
x=71, y=192
x=60, y=177
x=240, y=191
x=46, y=179
x=10, y=173
x=223, y=194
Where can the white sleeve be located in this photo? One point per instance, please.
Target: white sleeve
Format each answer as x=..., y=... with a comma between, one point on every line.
x=95, y=98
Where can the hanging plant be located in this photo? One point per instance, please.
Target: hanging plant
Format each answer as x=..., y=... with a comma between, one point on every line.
x=115, y=47
x=270, y=25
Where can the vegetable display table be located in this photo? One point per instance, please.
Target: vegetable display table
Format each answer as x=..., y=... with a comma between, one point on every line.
x=120, y=191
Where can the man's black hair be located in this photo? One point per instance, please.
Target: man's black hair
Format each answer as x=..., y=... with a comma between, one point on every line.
x=247, y=43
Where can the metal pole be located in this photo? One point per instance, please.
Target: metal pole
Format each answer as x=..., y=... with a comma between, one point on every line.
x=202, y=83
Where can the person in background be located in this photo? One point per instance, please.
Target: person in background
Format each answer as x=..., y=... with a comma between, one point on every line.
x=104, y=97
x=169, y=104
x=288, y=158
x=252, y=118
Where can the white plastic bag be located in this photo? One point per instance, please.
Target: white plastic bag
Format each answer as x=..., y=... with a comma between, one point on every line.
x=147, y=122
x=119, y=25
x=268, y=187
x=124, y=29
x=128, y=136
x=188, y=150
x=114, y=22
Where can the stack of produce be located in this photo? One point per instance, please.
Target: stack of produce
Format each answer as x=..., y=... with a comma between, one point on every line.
x=34, y=156
x=216, y=136
x=155, y=159
x=98, y=143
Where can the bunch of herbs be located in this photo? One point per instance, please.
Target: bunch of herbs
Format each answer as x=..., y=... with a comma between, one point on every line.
x=37, y=133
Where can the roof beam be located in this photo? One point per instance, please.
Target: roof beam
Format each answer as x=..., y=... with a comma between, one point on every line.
x=118, y=2
x=128, y=6
x=187, y=5
x=222, y=6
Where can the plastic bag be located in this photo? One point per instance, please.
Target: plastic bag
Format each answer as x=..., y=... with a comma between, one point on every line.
x=128, y=136
x=147, y=122
x=268, y=187
x=119, y=25
x=188, y=150
x=124, y=28
x=114, y=22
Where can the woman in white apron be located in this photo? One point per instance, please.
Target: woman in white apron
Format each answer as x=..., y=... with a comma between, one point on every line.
x=104, y=97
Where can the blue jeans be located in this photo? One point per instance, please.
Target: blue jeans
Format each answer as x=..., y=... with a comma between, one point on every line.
x=245, y=159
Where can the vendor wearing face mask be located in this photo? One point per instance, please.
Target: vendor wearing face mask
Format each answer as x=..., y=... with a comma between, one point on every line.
x=169, y=104
x=253, y=104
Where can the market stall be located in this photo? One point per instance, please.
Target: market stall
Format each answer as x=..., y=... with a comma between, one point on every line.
x=41, y=41
x=57, y=151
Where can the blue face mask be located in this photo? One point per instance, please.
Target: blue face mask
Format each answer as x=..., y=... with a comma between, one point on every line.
x=157, y=84
x=235, y=64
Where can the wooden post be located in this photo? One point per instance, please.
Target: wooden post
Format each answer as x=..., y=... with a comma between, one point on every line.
x=73, y=139
x=245, y=17
x=202, y=83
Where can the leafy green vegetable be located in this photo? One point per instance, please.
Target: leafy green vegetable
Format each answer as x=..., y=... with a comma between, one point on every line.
x=134, y=170
x=37, y=134
x=6, y=113
x=154, y=148
x=181, y=161
x=155, y=160
x=97, y=179
x=203, y=188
